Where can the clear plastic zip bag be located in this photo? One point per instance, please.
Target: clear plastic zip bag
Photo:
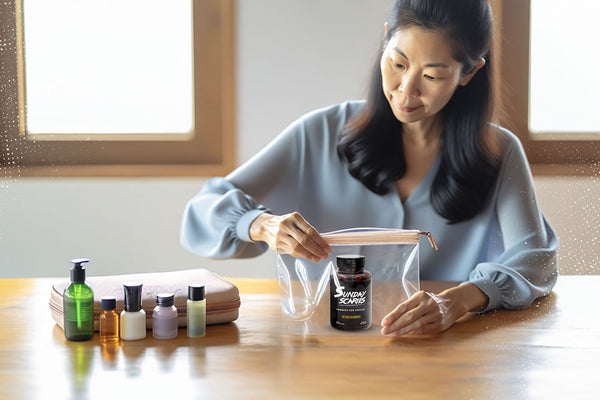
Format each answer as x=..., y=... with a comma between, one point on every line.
x=311, y=292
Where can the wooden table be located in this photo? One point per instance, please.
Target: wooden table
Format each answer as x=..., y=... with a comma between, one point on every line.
x=550, y=351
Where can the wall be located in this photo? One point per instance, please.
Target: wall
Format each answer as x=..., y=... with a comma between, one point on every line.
x=571, y=205
x=123, y=225
x=297, y=55
x=293, y=56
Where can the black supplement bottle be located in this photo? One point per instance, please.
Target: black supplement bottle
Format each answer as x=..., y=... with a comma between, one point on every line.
x=350, y=294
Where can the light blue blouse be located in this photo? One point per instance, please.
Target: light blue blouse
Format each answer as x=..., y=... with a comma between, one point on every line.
x=508, y=250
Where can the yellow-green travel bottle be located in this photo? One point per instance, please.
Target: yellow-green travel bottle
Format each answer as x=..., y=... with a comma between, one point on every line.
x=78, y=305
x=196, y=311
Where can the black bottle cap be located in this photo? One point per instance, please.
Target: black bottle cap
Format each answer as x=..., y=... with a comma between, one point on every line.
x=78, y=271
x=133, y=297
x=351, y=263
x=165, y=299
x=196, y=292
x=109, y=303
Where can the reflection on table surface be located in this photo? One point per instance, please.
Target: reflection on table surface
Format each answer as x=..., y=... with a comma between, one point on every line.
x=549, y=351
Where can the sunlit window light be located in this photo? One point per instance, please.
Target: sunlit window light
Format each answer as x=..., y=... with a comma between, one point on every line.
x=108, y=66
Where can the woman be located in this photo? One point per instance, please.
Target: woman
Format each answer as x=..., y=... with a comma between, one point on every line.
x=419, y=153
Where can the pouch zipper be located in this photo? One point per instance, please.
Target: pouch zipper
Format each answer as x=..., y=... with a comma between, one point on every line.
x=431, y=239
x=377, y=236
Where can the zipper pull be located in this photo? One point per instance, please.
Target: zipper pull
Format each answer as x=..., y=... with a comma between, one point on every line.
x=431, y=239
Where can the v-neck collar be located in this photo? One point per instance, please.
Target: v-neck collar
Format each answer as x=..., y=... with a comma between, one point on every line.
x=423, y=188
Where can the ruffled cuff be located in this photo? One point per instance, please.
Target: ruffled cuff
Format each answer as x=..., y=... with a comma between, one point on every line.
x=491, y=291
x=242, y=227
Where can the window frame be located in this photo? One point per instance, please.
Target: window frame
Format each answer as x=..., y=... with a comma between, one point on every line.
x=208, y=150
x=549, y=153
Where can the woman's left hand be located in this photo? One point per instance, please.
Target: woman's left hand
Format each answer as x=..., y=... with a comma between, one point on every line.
x=427, y=313
x=421, y=314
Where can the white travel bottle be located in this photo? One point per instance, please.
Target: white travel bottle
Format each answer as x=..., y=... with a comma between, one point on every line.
x=133, y=317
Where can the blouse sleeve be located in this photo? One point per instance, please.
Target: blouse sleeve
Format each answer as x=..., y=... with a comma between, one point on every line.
x=525, y=267
x=216, y=221
x=213, y=222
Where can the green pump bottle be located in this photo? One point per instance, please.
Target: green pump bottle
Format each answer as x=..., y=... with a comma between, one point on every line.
x=78, y=305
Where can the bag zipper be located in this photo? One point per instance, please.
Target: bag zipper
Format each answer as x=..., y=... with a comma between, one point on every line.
x=431, y=239
x=377, y=236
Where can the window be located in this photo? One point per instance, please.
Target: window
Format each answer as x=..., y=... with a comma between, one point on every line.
x=539, y=85
x=563, y=91
x=129, y=87
x=134, y=78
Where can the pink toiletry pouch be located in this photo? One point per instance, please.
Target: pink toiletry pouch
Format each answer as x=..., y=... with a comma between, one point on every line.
x=222, y=296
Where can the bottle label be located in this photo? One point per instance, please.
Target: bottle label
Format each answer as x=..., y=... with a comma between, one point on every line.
x=350, y=303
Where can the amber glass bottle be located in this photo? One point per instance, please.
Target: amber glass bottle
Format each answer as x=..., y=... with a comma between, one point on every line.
x=109, y=321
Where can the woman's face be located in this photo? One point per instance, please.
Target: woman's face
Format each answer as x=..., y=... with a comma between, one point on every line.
x=419, y=74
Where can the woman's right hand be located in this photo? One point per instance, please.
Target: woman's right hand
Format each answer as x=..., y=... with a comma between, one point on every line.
x=290, y=234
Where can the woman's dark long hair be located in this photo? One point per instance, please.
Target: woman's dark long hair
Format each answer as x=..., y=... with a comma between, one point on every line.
x=371, y=143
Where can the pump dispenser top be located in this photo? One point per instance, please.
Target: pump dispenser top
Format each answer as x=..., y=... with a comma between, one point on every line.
x=78, y=270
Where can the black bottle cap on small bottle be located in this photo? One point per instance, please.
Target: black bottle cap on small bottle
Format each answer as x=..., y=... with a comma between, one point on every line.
x=78, y=271
x=196, y=292
x=165, y=299
x=350, y=263
x=109, y=303
x=133, y=297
